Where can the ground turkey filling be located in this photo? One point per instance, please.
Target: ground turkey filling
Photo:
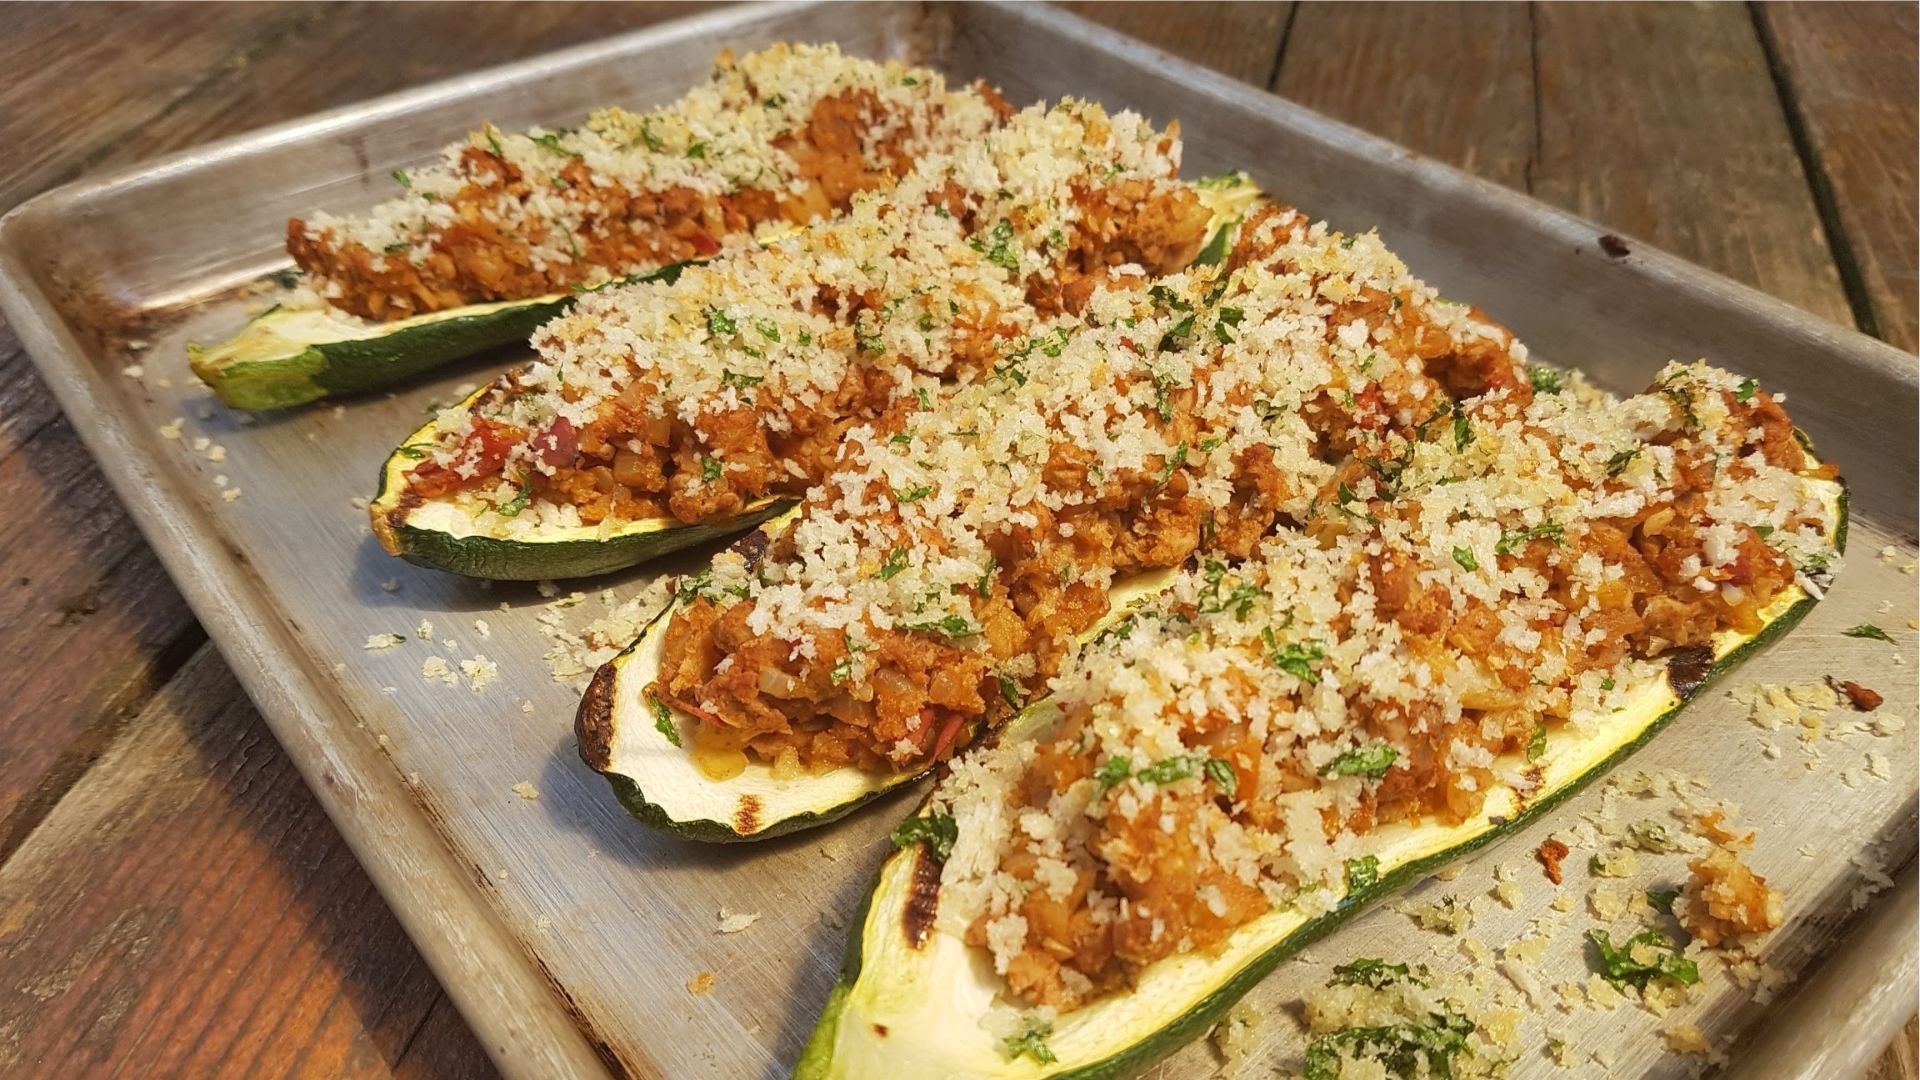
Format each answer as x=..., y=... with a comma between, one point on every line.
x=737, y=382
x=952, y=557
x=786, y=135
x=1460, y=597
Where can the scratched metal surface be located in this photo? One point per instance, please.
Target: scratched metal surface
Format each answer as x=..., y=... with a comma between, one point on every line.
x=567, y=933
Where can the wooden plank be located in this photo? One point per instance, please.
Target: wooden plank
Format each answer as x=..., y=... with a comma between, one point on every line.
x=1848, y=73
x=1660, y=120
x=55, y=111
x=1899, y=1062
x=1396, y=70
x=1241, y=40
x=368, y=49
x=89, y=623
x=188, y=910
x=1558, y=105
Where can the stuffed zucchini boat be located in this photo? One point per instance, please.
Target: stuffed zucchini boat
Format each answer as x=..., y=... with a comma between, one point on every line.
x=302, y=351
x=952, y=558
x=496, y=238
x=697, y=405
x=1421, y=669
x=626, y=732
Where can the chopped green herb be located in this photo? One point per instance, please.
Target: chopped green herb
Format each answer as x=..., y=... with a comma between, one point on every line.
x=985, y=584
x=1111, y=771
x=415, y=451
x=937, y=831
x=896, y=562
x=1462, y=431
x=1403, y=1051
x=926, y=402
x=998, y=246
x=1661, y=900
x=1030, y=1041
x=1868, y=630
x=697, y=150
x=1009, y=689
x=1362, y=872
x=1464, y=556
x=953, y=626
x=711, y=469
x=513, y=506
x=1607, y=683
x=1510, y=542
x=1746, y=390
x=913, y=494
x=1222, y=773
x=663, y=720
x=405, y=180
x=1618, y=463
x=1369, y=761
x=1240, y=599
x=739, y=381
x=1545, y=380
x=1178, y=459
x=1168, y=770
x=1642, y=958
x=1537, y=743
x=1374, y=973
x=1296, y=658
x=1649, y=835
x=720, y=324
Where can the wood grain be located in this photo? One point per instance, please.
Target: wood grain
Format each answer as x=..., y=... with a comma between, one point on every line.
x=187, y=910
x=1242, y=40
x=1395, y=70
x=1560, y=100
x=1848, y=72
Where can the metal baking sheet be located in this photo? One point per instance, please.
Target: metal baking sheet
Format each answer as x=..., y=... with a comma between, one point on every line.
x=568, y=934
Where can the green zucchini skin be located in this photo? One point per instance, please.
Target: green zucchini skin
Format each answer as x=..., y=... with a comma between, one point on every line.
x=816, y=1059
x=523, y=560
x=497, y=559
x=356, y=365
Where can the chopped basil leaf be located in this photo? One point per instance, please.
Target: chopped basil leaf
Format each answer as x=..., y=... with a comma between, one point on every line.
x=1509, y=542
x=1464, y=556
x=1642, y=958
x=1221, y=772
x=1868, y=630
x=663, y=720
x=1369, y=761
x=896, y=562
x=513, y=506
x=938, y=831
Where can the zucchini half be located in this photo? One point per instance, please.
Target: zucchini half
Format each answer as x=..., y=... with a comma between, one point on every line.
x=290, y=356
x=442, y=535
x=911, y=997
x=623, y=736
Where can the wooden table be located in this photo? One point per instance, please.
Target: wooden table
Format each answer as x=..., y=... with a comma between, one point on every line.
x=172, y=901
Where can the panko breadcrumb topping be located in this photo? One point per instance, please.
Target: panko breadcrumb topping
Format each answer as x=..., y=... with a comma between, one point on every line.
x=737, y=381
x=1470, y=579
x=788, y=134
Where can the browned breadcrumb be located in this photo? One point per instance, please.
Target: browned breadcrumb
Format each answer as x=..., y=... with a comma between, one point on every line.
x=701, y=983
x=1725, y=900
x=1713, y=826
x=1550, y=854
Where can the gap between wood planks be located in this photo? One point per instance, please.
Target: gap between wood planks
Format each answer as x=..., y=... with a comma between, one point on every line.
x=1821, y=185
